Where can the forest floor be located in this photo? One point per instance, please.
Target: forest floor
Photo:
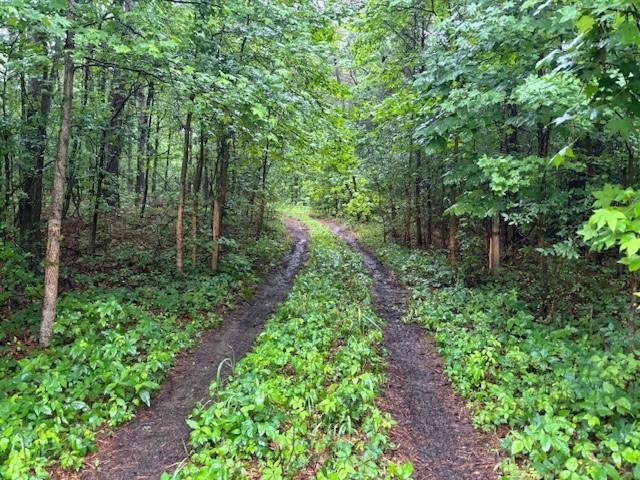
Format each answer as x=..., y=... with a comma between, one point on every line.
x=156, y=439
x=434, y=429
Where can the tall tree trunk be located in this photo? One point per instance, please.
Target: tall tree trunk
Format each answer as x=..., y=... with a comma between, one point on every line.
x=144, y=127
x=262, y=194
x=630, y=171
x=429, y=239
x=114, y=141
x=417, y=200
x=197, y=180
x=407, y=215
x=147, y=150
x=166, y=167
x=52, y=260
x=182, y=193
x=453, y=243
x=6, y=157
x=494, y=244
x=220, y=191
x=30, y=205
x=7, y=187
x=156, y=156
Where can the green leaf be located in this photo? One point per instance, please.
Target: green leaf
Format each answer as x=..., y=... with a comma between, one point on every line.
x=79, y=405
x=632, y=262
x=516, y=447
x=630, y=455
x=629, y=33
x=145, y=396
x=585, y=23
x=192, y=424
x=571, y=464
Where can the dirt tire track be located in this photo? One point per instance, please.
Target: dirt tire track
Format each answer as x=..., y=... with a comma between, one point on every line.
x=434, y=427
x=156, y=439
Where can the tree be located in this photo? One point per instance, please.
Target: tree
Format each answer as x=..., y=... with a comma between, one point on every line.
x=52, y=257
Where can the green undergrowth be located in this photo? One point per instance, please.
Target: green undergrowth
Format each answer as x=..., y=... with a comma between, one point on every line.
x=302, y=403
x=110, y=351
x=564, y=393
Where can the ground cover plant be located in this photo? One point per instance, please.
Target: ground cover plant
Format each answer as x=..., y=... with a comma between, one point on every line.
x=113, y=343
x=302, y=403
x=562, y=391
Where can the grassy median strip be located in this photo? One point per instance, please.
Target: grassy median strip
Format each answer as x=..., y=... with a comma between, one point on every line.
x=302, y=403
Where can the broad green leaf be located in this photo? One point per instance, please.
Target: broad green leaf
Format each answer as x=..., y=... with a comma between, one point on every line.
x=145, y=396
x=585, y=23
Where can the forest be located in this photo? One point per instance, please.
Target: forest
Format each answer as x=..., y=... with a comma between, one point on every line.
x=328, y=239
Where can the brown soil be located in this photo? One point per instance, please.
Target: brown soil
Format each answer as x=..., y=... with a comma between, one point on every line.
x=434, y=427
x=156, y=439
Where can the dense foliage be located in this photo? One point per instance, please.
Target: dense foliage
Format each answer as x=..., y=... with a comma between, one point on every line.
x=111, y=348
x=505, y=133
x=562, y=390
x=486, y=127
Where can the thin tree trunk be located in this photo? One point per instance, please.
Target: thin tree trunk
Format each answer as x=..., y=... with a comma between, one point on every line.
x=7, y=192
x=166, y=169
x=144, y=127
x=52, y=260
x=156, y=155
x=219, y=197
x=196, y=192
x=8, y=174
x=494, y=244
x=147, y=150
x=429, y=239
x=182, y=193
x=417, y=201
x=407, y=215
x=262, y=200
x=630, y=172
x=114, y=141
x=453, y=243
x=96, y=199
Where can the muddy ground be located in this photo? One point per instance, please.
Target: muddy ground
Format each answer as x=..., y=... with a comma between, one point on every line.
x=434, y=427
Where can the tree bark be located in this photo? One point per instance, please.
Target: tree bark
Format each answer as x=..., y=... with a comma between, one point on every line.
x=144, y=127
x=453, y=243
x=52, y=260
x=262, y=194
x=6, y=156
x=166, y=167
x=494, y=244
x=114, y=141
x=417, y=200
x=224, y=155
x=197, y=180
x=156, y=156
x=182, y=193
x=407, y=215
